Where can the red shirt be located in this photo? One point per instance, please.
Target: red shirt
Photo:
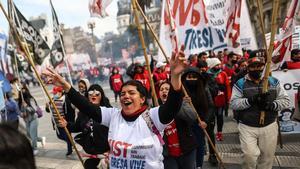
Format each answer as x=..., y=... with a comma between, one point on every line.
x=116, y=82
x=230, y=70
x=173, y=140
x=143, y=78
x=222, y=79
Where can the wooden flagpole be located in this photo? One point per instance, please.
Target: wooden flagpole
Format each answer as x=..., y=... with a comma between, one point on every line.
x=24, y=47
x=183, y=88
x=152, y=31
x=137, y=21
x=269, y=51
x=259, y=4
x=61, y=42
x=261, y=21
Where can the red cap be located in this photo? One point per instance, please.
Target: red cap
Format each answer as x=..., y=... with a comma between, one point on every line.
x=57, y=89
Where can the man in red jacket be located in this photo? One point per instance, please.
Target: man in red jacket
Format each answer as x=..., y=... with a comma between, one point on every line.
x=116, y=81
x=141, y=74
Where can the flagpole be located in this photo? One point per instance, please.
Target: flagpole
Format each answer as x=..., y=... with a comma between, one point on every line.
x=18, y=74
x=184, y=91
x=26, y=50
x=261, y=16
x=152, y=31
x=55, y=19
x=14, y=52
x=269, y=51
x=65, y=60
x=133, y=2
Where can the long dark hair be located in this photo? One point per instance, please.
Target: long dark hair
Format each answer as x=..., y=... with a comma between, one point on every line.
x=162, y=83
x=26, y=95
x=198, y=94
x=104, y=100
x=15, y=149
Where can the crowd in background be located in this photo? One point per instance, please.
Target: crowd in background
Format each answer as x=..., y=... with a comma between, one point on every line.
x=209, y=80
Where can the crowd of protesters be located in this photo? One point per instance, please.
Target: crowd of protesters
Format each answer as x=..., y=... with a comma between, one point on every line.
x=168, y=135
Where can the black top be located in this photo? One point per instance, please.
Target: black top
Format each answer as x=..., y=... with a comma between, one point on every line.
x=166, y=112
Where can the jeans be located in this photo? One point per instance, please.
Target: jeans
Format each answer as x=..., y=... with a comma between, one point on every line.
x=185, y=161
x=61, y=134
x=32, y=132
x=258, y=145
x=200, y=138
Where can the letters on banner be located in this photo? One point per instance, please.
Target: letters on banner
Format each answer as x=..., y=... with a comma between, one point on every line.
x=288, y=118
x=206, y=25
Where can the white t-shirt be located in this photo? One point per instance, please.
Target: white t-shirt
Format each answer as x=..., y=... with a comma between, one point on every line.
x=133, y=144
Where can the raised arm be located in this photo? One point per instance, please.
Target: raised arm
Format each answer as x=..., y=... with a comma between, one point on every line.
x=168, y=111
x=76, y=99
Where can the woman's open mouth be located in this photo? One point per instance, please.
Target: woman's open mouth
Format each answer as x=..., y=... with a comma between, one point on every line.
x=164, y=95
x=127, y=103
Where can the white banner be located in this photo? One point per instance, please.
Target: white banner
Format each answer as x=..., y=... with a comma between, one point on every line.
x=201, y=26
x=290, y=80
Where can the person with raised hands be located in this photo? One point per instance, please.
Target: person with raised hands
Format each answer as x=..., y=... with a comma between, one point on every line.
x=135, y=130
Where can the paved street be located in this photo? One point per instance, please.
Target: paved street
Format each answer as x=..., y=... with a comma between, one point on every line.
x=53, y=154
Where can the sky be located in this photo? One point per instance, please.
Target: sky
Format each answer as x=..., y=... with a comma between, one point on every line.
x=70, y=12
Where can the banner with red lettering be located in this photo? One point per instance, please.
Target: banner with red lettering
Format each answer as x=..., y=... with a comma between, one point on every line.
x=283, y=46
x=204, y=25
x=290, y=118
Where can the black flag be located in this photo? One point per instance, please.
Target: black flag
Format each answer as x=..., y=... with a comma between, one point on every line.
x=36, y=43
x=56, y=55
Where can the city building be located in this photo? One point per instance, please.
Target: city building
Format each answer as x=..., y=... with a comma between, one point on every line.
x=124, y=17
x=267, y=12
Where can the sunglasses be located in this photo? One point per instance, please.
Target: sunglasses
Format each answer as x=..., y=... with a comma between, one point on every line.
x=94, y=92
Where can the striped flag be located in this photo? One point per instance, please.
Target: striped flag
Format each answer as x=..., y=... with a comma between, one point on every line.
x=97, y=8
x=283, y=46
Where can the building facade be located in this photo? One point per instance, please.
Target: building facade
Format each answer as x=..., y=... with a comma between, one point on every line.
x=125, y=16
x=267, y=12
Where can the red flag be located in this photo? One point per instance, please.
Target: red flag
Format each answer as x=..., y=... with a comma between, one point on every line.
x=170, y=23
x=97, y=8
x=283, y=46
x=233, y=24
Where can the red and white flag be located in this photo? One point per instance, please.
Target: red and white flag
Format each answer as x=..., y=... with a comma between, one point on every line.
x=171, y=25
x=233, y=25
x=97, y=8
x=283, y=46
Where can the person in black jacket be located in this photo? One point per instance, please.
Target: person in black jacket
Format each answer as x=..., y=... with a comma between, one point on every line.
x=195, y=86
x=180, y=141
x=93, y=136
x=211, y=88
